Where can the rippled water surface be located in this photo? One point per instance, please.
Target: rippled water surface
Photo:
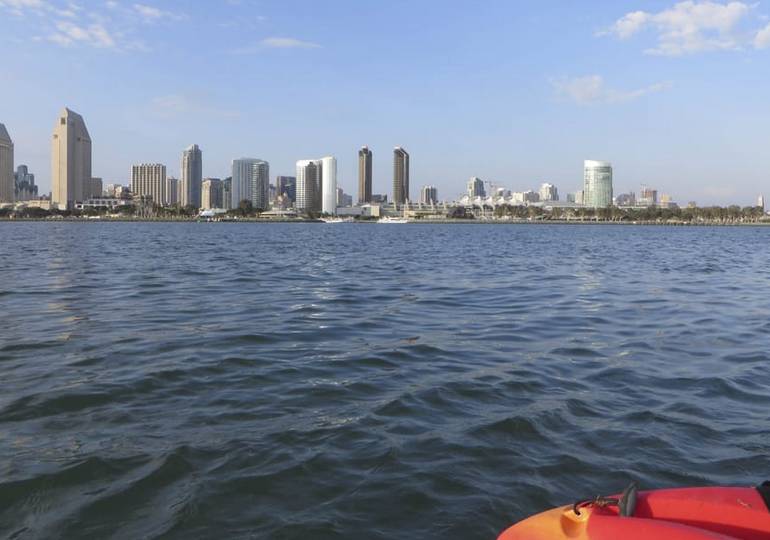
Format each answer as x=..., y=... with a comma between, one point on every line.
x=364, y=381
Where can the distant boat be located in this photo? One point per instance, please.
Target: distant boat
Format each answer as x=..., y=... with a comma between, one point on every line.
x=392, y=220
x=336, y=220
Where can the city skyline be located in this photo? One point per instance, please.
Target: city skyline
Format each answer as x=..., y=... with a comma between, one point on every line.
x=685, y=114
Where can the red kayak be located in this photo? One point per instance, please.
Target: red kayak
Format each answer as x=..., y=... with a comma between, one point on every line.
x=726, y=513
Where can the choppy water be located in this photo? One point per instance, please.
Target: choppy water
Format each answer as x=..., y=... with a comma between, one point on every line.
x=366, y=381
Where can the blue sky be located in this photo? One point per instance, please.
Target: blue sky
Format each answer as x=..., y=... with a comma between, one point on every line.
x=675, y=94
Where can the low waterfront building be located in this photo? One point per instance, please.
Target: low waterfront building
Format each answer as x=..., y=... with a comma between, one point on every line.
x=109, y=203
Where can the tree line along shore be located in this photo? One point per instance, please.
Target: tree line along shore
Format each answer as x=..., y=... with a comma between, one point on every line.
x=711, y=215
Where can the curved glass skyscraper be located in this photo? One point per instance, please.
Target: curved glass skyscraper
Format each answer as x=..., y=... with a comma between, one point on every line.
x=597, y=184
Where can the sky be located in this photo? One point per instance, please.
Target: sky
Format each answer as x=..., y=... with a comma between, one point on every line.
x=675, y=94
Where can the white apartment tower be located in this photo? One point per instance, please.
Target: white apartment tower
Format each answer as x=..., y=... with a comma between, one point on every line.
x=329, y=185
x=7, y=179
x=192, y=176
x=149, y=179
x=70, y=160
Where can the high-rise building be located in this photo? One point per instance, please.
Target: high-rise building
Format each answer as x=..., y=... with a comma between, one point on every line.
x=95, y=187
x=286, y=186
x=308, y=185
x=251, y=182
x=7, y=179
x=597, y=184
x=761, y=202
x=227, y=193
x=192, y=176
x=548, y=192
x=24, y=184
x=211, y=193
x=343, y=199
x=70, y=160
x=666, y=201
x=364, y=175
x=400, y=175
x=476, y=187
x=626, y=199
x=329, y=185
x=149, y=180
x=428, y=195
x=172, y=190
x=648, y=196
x=260, y=186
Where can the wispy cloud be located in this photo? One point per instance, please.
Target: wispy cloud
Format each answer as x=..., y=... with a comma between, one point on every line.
x=152, y=14
x=288, y=43
x=276, y=43
x=762, y=39
x=108, y=25
x=173, y=105
x=591, y=90
x=690, y=27
x=68, y=33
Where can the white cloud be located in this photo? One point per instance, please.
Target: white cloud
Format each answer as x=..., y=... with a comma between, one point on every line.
x=688, y=27
x=109, y=25
x=762, y=39
x=68, y=33
x=152, y=14
x=288, y=43
x=591, y=90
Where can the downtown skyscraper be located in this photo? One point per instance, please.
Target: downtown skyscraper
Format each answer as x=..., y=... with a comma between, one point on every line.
x=250, y=182
x=597, y=184
x=364, y=175
x=7, y=178
x=149, y=180
x=308, y=186
x=400, y=175
x=317, y=185
x=192, y=176
x=70, y=160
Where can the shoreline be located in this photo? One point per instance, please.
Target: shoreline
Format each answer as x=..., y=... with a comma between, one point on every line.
x=411, y=222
